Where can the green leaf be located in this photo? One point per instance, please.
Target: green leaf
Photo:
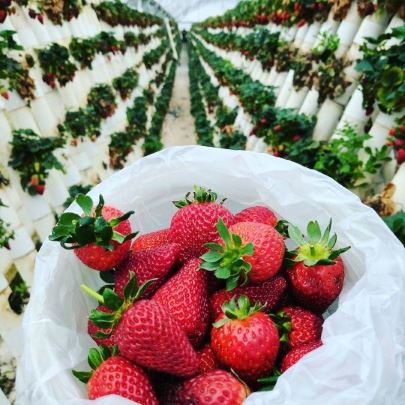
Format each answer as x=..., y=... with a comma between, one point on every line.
x=332, y=241
x=211, y=256
x=111, y=299
x=67, y=218
x=131, y=287
x=214, y=246
x=85, y=203
x=223, y=232
x=83, y=376
x=222, y=273
x=94, y=358
x=295, y=234
x=209, y=266
x=100, y=206
x=314, y=232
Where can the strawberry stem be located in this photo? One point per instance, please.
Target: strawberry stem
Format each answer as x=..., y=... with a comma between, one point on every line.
x=92, y=293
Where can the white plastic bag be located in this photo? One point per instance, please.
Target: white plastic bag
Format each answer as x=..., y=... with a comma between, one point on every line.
x=362, y=360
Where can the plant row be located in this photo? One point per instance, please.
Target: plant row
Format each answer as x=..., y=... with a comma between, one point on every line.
x=249, y=13
x=319, y=68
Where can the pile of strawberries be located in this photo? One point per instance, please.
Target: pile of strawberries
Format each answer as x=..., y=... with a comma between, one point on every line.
x=203, y=312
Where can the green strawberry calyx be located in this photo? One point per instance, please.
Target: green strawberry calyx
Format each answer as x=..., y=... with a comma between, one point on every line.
x=227, y=260
x=237, y=310
x=268, y=383
x=200, y=195
x=118, y=305
x=283, y=325
x=74, y=231
x=316, y=248
x=95, y=358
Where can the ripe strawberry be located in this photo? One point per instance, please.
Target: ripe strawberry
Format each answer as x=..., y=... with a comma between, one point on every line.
x=101, y=238
x=245, y=339
x=40, y=18
x=208, y=361
x=34, y=180
x=116, y=375
x=392, y=131
x=277, y=128
x=298, y=326
x=147, y=264
x=257, y=214
x=150, y=240
x=144, y=331
x=5, y=95
x=3, y=16
x=317, y=273
x=32, y=13
x=296, y=354
x=194, y=224
x=400, y=156
x=185, y=296
x=40, y=188
x=267, y=294
x=93, y=330
x=301, y=22
x=249, y=250
x=52, y=84
x=212, y=388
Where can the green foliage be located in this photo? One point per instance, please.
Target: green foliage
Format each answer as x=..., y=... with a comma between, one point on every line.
x=101, y=98
x=76, y=190
x=396, y=223
x=126, y=83
x=6, y=233
x=234, y=140
x=32, y=156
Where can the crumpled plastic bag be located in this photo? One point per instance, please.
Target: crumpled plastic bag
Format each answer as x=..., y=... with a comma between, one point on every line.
x=362, y=360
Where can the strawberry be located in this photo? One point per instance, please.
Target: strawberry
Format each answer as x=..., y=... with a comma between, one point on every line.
x=245, y=339
x=400, y=156
x=317, y=272
x=144, y=330
x=34, y=180
x=40, y=18
x=208, y=361
x=212, y=388
x=5, y=95
x=249, y=250
x=52, y=84
x=93, y=330
x=113, y=374
x=100, y=238
x=257, y=214
x=147, y=264
x=301, y=22
x=150, y=240
x=40, y=188
x=277, y=128
x=392, y=131
x=185, y=296
x=193, y=225
x=3, y=16
x=32, y=13
x=298, y=326
x=297, y=354
x=267, y=293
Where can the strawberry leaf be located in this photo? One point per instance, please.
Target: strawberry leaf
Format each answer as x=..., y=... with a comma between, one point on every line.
x=85, y=203
x=83, y=376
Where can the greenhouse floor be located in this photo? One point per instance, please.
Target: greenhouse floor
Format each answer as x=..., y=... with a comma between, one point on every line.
x=178, y=127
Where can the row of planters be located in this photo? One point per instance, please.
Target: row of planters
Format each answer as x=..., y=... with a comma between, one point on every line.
x=319, y=68
x=205, y=103
x=289, y=135
x=249, y=13
x=57, y=61
x=112, y=12
x=122, y=143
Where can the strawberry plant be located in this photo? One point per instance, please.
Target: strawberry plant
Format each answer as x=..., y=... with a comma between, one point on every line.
x=71, y=9
x=382, y=73
x=152, y=57
x=396, y=223
x=225, y=117
x=74, y=191
x=83, y=50
x=19, y=295
x=84, y=122
x=233, y=140
x=102, y=99
x=53, y=10
x=136, y=115
x=56, y=65
x=106, y=42
x=32, y=156
x=126, y=83
x=120, y=146
x=6, y=233
x=14, y=72
x=397, y=140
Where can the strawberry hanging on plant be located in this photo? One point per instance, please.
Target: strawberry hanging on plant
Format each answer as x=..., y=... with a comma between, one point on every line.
x=248, y=251
x=100, y=238
x=245, y=339
x=144, y=330
x=124, y=378
x=317, y=271
x=194, y=224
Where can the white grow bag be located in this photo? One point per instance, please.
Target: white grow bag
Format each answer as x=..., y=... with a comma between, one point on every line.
x=362, y=360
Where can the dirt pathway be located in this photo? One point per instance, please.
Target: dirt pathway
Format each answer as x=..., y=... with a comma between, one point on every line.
x=178, y=127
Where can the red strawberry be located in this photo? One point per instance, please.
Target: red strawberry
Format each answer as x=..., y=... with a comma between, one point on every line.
x=212, y=388
x=32, y=13
x=40, y=18
x=116, y=375
x=249, y=250
x=150, y=240
x=277, y=128
x=392, y=131
x=257, y=214
x=4, y=94
x=144, y=331
x=296, y=354
x=147, y=264
x=267, y=294
x=34, y=180
x=208, y=361
x=93, y=329
x=52, y=84
x=185, y=296
x=101, y=238
x=317, y=276
x=301, y=326
x=245, y=339
x=40, y=188
x=400, y=156
x=194, y=224
x=301, y=22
